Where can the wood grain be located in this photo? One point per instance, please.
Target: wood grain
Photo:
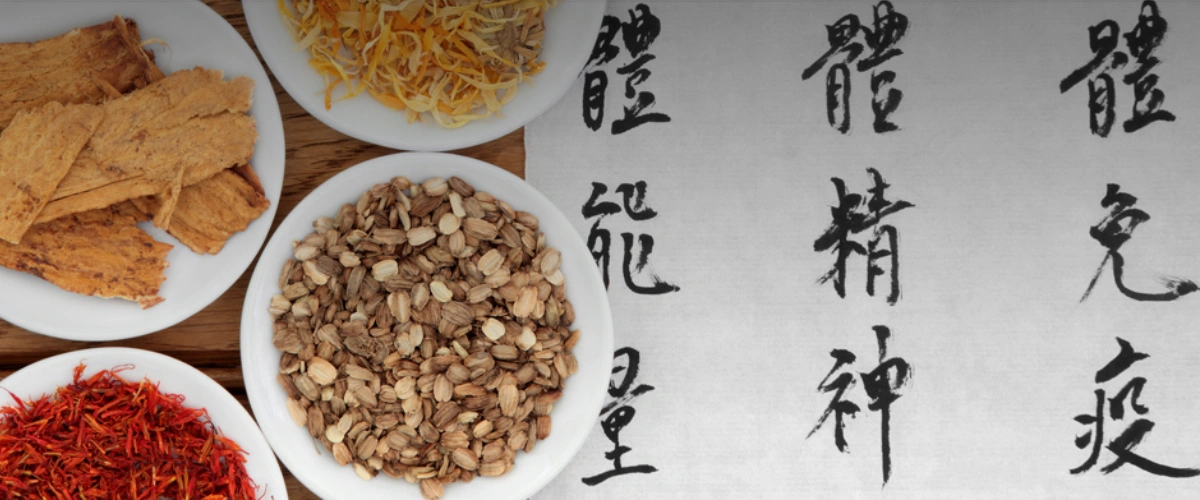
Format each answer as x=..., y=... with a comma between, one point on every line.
x=209, y=340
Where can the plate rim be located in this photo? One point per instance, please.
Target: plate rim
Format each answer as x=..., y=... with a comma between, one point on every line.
x=291, y=84
x=183, y=374
x=144, y=326
x=262, y=281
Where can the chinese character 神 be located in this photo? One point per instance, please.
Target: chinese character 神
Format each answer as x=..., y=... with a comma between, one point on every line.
x=854, y=214
x=1113, y=231
x=600, y=240
x=1122, y=446
x=880, y=384
x=620, y=413
x=637, y=35
x=888, y=29
x=1142, y=41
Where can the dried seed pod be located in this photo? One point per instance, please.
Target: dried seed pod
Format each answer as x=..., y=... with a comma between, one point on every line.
x=314, y=273
x=298, y=413
x=306, y=252
x=418, y=236
x=388, y=236
x=383, y=269
x=463, y=188
x=525, y=303
x=366, y=447
x=440, y=292
x=504, y=352
x=465, y=458
x=334, y=434
x=306, y=386
x=435, y=186
x=508, y=399
x=449, y=223
x=316, y=421
x=341, y=453
x=481, y=429
x=279, y=305
x=493, y=329
x=358, y=372
x=349, y=259
x=443, y=390
x=321, y=371
x=432, y=489
x=364, y=472
x=492, y=469
x=526, y=339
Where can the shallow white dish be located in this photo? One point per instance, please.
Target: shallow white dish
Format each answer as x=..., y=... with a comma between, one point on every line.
x=574, y=415
x=571, y=29
x=197, y=36
x=173, y=376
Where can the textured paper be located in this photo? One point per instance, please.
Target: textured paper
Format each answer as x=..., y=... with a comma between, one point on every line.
x=1006, y=180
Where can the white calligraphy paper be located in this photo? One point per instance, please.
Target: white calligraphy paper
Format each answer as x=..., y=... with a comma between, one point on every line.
x=1006, y=180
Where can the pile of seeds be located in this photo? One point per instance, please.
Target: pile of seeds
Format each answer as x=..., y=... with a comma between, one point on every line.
x=424, y=333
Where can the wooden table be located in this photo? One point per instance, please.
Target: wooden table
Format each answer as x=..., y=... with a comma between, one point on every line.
x=209, y=340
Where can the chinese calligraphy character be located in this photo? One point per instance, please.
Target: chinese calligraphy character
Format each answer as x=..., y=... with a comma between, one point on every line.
x=854, y=214
x=838, y=406
x=888, y=29
x=1112, y=232
x=880, y=384
x=637, y=35
x=599, y=239
x=1123, y=445
x=619, y=414
x=1142, y=41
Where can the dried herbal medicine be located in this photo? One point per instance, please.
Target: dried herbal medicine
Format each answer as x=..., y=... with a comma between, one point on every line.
x=425, y=333
x=103, y=437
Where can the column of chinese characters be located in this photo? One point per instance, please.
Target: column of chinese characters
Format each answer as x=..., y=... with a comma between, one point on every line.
x=1142, y=41
x=620, y=413
x=600, y=240
x=638, y=35
x=1122, y=447
x=844, y=48
x=1114, y=230
x=880, y=384
x=853, y=214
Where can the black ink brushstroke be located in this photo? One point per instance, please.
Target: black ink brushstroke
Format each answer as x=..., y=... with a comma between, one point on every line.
x=1103, y=39
x=837, y=97
x=658, y=286
x=595, y=83
x=1123, y=360
x=1097, y=422
x=1176, y=287
x=634, y=196
x=1123, y=447
x=841, y=36
x=889, y=27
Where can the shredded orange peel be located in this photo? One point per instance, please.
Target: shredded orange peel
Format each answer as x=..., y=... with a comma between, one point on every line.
x=459, y=61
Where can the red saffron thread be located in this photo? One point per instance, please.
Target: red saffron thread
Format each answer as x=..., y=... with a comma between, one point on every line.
x=104, y=438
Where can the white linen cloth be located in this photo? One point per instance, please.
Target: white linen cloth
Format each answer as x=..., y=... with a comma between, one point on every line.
x=1006, y=179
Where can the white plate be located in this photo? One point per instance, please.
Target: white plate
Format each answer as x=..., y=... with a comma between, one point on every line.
x=173, y=376
x=574, y=415
x=571, y=29
x=197, y=37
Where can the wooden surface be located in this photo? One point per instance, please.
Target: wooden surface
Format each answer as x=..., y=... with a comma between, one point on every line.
x=209, y=340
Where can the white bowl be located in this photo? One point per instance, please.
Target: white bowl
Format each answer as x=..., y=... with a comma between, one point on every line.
x=571, y=29
x=196, y=36
x=174, y=377
x=574, y=415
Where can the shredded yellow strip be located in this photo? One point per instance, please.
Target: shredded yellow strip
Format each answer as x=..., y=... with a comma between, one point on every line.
x=453, y=59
